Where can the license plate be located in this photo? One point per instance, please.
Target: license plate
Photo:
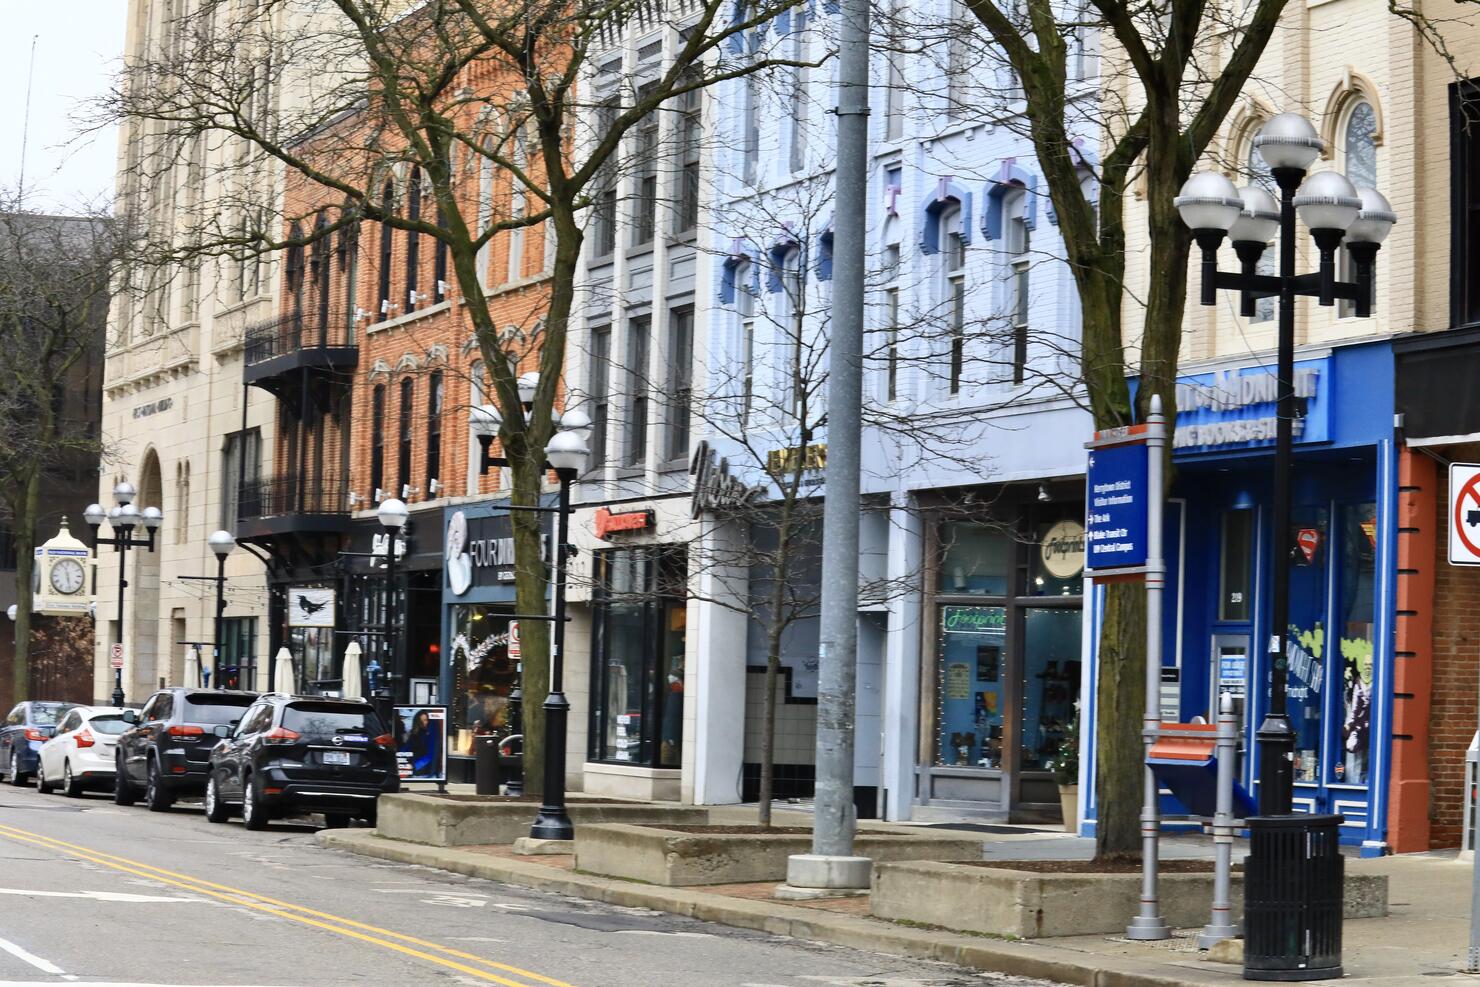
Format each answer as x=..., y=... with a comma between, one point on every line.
x=336, y=757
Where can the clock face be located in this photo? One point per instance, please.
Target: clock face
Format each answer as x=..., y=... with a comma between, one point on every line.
x=67, y=576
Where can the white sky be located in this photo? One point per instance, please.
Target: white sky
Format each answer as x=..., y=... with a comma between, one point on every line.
x=79, y=44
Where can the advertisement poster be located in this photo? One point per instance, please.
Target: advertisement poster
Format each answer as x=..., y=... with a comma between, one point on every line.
x=421, y=742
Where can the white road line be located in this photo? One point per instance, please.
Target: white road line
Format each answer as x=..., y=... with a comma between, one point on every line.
x=45, y=966
x=122, y=896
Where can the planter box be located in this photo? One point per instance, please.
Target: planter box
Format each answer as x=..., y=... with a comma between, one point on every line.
x=475, y=820
x=672, y=857
x=1031, y=905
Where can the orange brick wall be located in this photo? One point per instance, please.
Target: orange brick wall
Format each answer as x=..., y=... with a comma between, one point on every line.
x=1408, y=828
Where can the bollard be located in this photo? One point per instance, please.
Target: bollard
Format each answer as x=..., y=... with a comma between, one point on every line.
x=1220, y=924
x=485, y=769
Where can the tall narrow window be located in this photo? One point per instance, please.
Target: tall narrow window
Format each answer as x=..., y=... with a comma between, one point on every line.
x=639, y=331
x=680, y=378
x=403, y=439
x=599, y=385
x=795, y=303
x=604, y=208
x=1359, y=160
x=349, y=264
x=439, y=260
x=797, y=96
x=434, y=433
x=752, y=128
x=953, y=270
x=690, y=139
x=377, y=443
x=957, y=72
x=413, y=238
x=745, y=308
x=241, y=495
x=295, y=269
x=894, y=84
x=891, y=322
x=387, y=244
x=518, y=204
x=485, y=209
x=645, y=166
x=477, y=396
x=320, y=267
x=1016, y=234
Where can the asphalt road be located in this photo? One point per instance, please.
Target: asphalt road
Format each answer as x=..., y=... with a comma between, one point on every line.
x=92, y=893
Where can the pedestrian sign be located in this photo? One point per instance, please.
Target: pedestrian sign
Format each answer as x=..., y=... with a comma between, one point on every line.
x=1464, y=513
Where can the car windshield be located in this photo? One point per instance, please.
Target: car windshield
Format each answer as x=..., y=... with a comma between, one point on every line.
x=110, y=723
x=205, y=708
x=327, y=719
x=47, y=714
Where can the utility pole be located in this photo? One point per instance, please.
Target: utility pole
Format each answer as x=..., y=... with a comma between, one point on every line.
x=832, y=865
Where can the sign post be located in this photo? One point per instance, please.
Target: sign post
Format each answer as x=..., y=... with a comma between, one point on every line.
x=1122, y=540
x=1464, y=549
x=115, y=657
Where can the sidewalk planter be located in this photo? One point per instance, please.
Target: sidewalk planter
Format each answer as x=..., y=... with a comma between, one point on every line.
x=1024, y=904
x=476, y=820
x=1069, y=805
x=673, y=857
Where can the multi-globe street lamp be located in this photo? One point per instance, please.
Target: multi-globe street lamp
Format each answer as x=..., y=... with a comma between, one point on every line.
x=1337, y=214
x=566, y=454
x=392, y=514
x=122, y=518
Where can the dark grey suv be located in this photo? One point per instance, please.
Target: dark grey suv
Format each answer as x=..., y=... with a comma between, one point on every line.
x=166, y=752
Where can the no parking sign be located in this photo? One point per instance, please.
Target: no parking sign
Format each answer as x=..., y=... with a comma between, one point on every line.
x=1464, y=513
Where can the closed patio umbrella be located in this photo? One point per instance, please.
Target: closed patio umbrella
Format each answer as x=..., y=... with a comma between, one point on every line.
x=283, y=679
x=352, y=687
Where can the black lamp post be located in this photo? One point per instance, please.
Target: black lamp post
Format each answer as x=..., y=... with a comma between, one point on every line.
x=222, y=542
x=392, y=514
x=566, y=454
x=1337, y=213
x=122, y=519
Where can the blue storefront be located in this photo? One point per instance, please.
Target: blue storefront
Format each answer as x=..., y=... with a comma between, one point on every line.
x=1340, y=550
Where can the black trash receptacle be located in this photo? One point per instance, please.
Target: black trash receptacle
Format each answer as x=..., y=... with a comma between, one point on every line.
x=1293, y=898
x=486, y=770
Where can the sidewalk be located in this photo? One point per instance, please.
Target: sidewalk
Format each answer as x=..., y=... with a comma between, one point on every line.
x=1425, y=936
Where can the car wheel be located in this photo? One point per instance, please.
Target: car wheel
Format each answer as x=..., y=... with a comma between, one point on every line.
x=156, y=796
x=216, y=810
x=16, y=777
x=42, y=785
x=254, y=813
x=123, y=792
x=336, y=820
x=71, y=786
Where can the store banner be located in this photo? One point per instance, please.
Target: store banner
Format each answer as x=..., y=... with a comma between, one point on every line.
x=421, y=742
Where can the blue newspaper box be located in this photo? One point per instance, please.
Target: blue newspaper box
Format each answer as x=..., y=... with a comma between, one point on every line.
x=1184, y=759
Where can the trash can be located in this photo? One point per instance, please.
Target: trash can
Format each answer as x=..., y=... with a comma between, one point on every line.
x=486, y=770
x=1293, y=898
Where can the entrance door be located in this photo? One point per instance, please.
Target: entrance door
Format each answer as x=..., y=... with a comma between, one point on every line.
x=1052, y=640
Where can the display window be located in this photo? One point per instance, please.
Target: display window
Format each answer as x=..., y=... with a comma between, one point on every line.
x=972, y=645
x=1356, y=584
x=639, y=640
x=1309, y=643
x=483, y=676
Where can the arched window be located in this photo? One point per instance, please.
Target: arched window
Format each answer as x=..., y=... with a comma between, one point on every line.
x=403, y=438
x=952, y=249
x=1258, y=174
x=387, y=203
x=413, y=238
x=1359, y=161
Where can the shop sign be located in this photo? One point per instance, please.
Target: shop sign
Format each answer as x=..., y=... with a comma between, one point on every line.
x=1235, y=409
x=1062, y=550
x=608, y=523
x=310, y=606
x=715, y=489
x=479, y=551
x=974, y=620
x=810, y=459
x=1116, y=527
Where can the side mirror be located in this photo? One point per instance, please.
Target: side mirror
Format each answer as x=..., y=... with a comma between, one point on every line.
x=221, y=730
x=131, y=716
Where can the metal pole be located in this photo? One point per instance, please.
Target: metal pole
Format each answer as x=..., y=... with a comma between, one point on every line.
x=1276, y=737
x=1472, y=962
x=1220, y=923
x=121, y=540
x=553, y=823
x=1149, y=924
x=220, y=614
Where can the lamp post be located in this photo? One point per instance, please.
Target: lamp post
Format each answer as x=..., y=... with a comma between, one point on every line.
x=566, y=453
x=122, y=518
x=222, y=543
x=1336, y=213
x=392, y=514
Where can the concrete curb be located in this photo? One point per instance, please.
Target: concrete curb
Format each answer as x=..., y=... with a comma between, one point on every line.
x=1018, y=959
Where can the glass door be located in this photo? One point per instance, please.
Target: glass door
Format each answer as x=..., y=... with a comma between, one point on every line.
x=1052, y=639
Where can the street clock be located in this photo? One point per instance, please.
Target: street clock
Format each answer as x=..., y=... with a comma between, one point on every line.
x=60, y=580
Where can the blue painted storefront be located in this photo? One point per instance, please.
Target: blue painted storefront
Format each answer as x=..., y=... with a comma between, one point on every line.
x=1342, y=548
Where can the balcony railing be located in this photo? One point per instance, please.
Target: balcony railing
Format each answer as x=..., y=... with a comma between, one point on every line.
x=279, y=496
x=295, y=331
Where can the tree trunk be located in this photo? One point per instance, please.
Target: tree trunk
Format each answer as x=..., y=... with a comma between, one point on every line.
x=29, y=504
x=773, y=672
x=1120, y=698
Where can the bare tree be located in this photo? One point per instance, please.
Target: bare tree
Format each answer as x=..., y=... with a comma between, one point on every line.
x=56, y=278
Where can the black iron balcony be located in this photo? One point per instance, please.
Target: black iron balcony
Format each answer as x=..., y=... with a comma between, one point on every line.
x=298, y=342
x=281, y=505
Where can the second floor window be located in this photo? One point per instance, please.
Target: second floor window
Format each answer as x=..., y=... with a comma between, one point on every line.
x=680, y=377
x=377, y=443
x=240, y=493
x=387, y=245
x=953, y=294
x=413, y=238
x=1016, y=237
x=639, y=332
x=645, y=167
x=1359, y=161
x=599, y=385
x=690, y=137
x=403, y=439
x=604, y=207
x=434, y=433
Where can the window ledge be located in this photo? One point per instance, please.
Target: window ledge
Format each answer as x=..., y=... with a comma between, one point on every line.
x=630, y=472
x=674, y=465
x=401, y=320
x=637, y=253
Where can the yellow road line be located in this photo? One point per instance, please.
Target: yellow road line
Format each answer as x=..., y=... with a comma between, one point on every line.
x=284, y=909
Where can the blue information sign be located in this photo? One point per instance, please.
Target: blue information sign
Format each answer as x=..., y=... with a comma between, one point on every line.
x=1115, y=525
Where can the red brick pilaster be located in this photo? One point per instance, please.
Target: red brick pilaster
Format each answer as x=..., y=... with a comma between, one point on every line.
x=1413, y=677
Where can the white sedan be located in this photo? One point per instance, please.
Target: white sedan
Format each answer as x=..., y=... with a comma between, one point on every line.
x=81, y=753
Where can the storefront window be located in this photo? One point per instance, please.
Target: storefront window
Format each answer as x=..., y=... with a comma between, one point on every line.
x=973, y=641
x=1308, y=642
x=313, y=660
x=1235, y=581
x=977, y=559
x=1051, y=647
x=483, y=676
x=638, y=656
x=237, y=666
x=1356, y=584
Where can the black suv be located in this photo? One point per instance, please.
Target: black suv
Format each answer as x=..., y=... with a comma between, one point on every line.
x=296, y=754
x=166, y=752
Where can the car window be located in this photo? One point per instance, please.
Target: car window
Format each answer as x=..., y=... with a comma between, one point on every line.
x=259, y=719
x=16, y=715
x=151, y=708
x=328, y=719
x=70, y=722
x=47, y=714
x=164, y=708
x=205, y=707
x=109, y=723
